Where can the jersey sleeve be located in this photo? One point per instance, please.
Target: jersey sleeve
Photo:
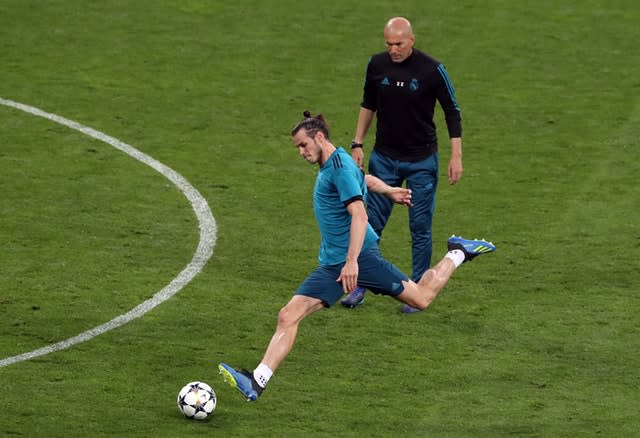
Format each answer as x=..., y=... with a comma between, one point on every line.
x=369, y=95
x=348, y=185
x=446, y=95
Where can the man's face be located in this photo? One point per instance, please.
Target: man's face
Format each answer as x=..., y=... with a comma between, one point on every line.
x=308, y=147
x=399, y=45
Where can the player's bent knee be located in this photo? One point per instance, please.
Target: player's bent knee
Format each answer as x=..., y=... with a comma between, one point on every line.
x=414, y=297
x=284, y=316
x=288, y=316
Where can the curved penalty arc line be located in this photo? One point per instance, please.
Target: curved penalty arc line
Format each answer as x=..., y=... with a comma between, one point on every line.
x=207, y=225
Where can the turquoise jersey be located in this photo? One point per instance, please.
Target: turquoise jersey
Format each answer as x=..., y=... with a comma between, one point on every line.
x=339, y=183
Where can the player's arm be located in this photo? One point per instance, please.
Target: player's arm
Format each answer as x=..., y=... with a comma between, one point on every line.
x=446, y=96
x=366, y=114
x=399, y=195
x=359, y=221
x=365, y=117
x=455, y=162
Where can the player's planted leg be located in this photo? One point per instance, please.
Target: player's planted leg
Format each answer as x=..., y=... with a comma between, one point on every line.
x=251, y=384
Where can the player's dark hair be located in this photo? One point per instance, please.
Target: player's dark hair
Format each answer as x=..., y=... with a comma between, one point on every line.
x=312, y=124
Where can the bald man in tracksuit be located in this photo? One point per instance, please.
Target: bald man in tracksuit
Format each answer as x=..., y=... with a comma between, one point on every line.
x=401, y=88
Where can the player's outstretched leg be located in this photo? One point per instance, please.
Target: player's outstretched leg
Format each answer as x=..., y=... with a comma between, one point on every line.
x=241, y=380
x=470, y=247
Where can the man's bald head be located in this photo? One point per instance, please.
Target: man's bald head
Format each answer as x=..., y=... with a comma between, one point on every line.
x=399, y=38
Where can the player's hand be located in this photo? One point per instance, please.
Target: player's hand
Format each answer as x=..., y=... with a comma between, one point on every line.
x=358, y=156
x=349, y=277
x=455, y=170
x=401, y=196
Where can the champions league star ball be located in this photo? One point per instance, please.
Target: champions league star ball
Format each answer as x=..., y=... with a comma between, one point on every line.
x=196, y=400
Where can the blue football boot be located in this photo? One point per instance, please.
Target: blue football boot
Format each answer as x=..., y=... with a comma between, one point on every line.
x=355, y=298
x=242, y=381
x=470, y=248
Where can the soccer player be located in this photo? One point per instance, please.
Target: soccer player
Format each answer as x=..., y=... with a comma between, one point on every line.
x=349, y=254
x=401, y=87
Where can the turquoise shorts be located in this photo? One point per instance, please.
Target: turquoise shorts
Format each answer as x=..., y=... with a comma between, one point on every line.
x=374, y=273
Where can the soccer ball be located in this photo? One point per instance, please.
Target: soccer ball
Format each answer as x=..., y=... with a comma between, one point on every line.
x=197, y=400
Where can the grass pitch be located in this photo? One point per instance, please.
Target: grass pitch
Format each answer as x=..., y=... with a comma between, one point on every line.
x=538, y=339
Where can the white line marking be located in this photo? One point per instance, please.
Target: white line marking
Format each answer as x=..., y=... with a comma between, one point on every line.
x=207, y=225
